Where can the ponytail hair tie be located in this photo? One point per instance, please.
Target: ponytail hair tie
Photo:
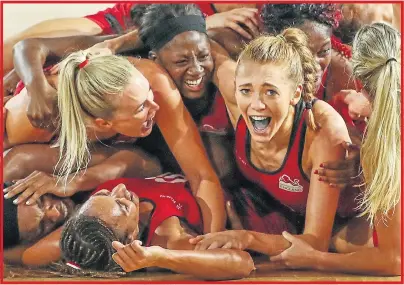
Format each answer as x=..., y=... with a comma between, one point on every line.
x=83, y=64
x=73, y=265
x=309, y=104
x=391, y=59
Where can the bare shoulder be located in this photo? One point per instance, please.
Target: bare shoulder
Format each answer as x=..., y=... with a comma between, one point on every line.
x=331, y=125
x=157, y=76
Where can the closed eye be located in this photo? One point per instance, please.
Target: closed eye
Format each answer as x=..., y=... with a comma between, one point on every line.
x=122, y=205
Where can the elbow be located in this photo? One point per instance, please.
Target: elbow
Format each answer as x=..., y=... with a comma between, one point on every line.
x=394, y=269
x=23, y=45
x=245, y=265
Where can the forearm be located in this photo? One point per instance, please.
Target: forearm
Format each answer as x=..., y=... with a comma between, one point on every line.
x=268, y=244
x=211, y=202
x=124, y=163
x=128, y=42
x=208, y=264
x=369, y=261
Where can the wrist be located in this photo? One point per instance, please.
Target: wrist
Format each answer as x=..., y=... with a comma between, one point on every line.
x=249, y=237
x=36, y=84
x=160, y=256
x=315, y=259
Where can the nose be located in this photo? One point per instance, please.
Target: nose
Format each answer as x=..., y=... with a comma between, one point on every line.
x=152, y=104
x=256, y=102
x=119, y=191
x=52, y=214
x=196, y=67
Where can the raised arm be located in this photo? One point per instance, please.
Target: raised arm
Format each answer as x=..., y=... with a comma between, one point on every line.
x=30, y=56
x=223, y=78
x=182, y=136
x=49, y=29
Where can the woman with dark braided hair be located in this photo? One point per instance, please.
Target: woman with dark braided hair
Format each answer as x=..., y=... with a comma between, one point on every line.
x=317, y=21
x=155, y=219
x=282, y=136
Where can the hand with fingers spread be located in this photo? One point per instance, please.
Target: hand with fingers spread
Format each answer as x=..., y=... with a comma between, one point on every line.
x=35, y=185
x=297, y=256
x=346, y=172
x=244, y=21
x=235, y=239
x=42, y=109
x=134, y=256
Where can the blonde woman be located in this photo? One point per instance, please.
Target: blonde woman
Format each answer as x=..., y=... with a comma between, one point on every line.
x=282, y=136
x=101, y=97
x=374, y=249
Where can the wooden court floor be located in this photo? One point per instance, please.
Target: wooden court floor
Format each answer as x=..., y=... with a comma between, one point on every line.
x=263, y=273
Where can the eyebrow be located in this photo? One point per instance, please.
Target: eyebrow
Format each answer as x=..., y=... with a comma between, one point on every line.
x=144, y=100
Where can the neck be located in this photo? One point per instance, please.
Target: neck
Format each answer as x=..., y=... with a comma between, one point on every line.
x=96, y=134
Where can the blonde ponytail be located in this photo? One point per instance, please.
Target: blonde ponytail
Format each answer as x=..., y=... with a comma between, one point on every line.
x=376, y=62
x=88, y=87
x=289, y=47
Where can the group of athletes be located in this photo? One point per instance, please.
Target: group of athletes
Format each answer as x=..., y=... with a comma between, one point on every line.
x=199, y=137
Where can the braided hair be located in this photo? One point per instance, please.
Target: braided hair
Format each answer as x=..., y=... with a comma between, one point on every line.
x=277, y=17
x=87, y=242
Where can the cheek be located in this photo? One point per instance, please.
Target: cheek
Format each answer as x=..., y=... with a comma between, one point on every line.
x=176, y=73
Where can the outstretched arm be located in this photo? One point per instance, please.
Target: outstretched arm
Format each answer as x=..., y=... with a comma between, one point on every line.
x=122, y=163
x=174, y=252
x=182, y=136
x=383, y=259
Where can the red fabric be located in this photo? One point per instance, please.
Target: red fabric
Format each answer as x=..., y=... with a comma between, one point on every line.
x=206, y=8
x=170, y=196
x=121, y=12
x=288, y=185
x=217, y=119
x=375, y=239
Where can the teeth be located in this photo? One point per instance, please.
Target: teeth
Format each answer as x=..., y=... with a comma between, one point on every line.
x=259, y=118
x=194, y=82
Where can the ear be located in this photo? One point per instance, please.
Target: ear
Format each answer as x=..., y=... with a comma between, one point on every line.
x=152, y=55
x=102, y=124
x=297, y=95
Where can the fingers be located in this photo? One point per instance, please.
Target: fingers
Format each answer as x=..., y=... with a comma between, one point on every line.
x=237, y=28
x=196, y=239
x=31, y=195
x=276, y=258
x=289, y=237
x=54, y=69
x=117, y=245
x=118, y=259
x=214, y=245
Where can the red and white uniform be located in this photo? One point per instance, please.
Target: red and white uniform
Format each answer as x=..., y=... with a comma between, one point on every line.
x=289, y=184
x=170, y=196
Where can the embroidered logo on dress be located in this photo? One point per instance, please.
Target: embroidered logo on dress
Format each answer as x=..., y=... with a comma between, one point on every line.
x=178, y=205
x=287, y=184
